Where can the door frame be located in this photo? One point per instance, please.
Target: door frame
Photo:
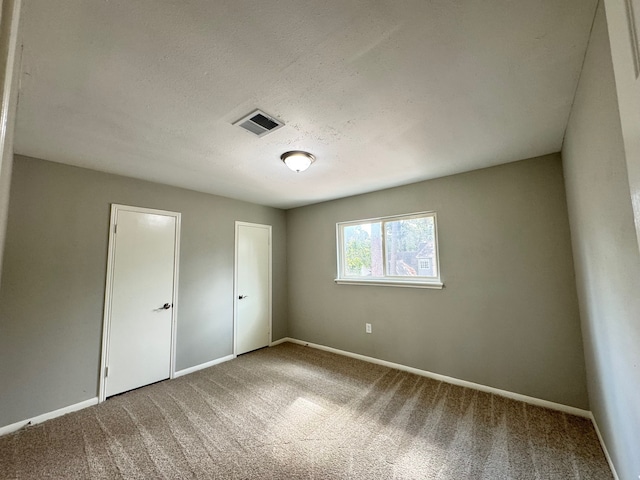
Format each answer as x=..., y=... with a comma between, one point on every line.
x=106, y=322
x=235, y=282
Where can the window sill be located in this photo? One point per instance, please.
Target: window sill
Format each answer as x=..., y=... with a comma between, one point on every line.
x=390, y=283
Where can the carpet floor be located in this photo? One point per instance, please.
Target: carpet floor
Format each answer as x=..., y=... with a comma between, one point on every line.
x=293, y=412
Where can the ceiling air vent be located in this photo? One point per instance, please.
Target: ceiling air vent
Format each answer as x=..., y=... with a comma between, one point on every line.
x=259, y=123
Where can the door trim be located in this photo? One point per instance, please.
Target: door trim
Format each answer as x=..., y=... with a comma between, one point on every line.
x=106, y=322
x=235, y=282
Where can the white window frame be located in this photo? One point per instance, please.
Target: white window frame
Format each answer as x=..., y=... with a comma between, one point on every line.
x=387, y=280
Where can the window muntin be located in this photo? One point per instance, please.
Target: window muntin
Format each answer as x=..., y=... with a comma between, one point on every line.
x=402, y=249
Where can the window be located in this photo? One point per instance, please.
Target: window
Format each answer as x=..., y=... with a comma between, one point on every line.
x=401, y=251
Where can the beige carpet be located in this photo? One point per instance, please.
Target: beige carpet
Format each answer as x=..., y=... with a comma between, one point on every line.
x=292, y=412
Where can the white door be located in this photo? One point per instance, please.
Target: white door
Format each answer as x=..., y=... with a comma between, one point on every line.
x=253, y=287
x=139, y=320
x=623, y=19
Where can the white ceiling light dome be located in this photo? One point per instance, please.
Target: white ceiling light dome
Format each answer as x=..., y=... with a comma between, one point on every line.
x=297, y=160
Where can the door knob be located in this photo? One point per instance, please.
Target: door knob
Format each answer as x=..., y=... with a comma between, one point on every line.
x=242, y=296
x=166, y=306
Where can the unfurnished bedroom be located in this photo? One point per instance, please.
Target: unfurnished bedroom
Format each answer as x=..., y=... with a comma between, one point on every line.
x=324, y=240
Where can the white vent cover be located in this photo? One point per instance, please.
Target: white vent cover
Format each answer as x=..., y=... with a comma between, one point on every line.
x=259, y=123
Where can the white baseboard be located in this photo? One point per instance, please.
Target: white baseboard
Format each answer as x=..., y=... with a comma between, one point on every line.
x=189, y=370
x=604, y=447
x=94, y=401
x=455, y=381
x=48, y=416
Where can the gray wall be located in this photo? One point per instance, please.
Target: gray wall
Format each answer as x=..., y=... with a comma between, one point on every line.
x=508, y=317
x=51, y=300
x=606, y=254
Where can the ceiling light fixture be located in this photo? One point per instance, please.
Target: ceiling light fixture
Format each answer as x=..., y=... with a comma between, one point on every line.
x=297, y=160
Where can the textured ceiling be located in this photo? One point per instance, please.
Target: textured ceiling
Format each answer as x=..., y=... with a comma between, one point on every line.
x=383, y=93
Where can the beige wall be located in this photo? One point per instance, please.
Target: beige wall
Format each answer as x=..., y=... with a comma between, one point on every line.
x=508, y=317
x=52, y=296
x=606, y=254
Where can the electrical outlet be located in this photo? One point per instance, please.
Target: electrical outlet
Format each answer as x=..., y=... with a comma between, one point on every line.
x=367, y=327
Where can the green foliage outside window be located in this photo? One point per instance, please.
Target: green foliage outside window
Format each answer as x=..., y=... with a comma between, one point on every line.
x=358, y=250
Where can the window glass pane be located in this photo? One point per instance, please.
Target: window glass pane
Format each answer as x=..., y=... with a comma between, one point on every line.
x=399, y=250
x=363, y=250
x=411, y=248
